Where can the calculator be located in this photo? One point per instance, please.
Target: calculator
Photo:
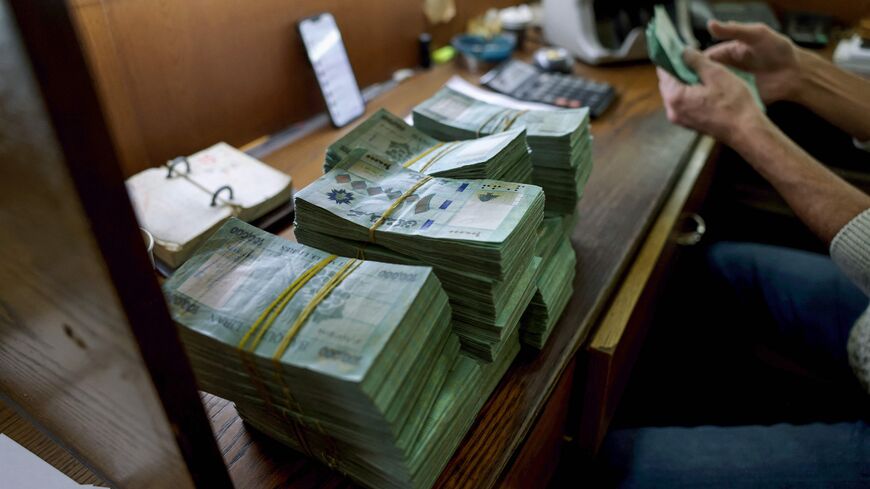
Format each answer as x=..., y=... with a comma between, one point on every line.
x=523, y=81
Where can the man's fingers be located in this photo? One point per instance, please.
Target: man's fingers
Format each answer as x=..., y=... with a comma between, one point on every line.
x=668, y=84
x=702, y=65
x=732, y=53
x=736, y=30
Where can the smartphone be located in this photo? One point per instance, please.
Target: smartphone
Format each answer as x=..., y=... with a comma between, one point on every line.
x=328, y=58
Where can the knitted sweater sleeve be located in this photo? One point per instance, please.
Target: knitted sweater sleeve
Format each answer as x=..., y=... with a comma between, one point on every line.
x=850, y=250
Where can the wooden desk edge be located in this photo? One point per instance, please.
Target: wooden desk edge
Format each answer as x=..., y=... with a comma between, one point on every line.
x=615, y=320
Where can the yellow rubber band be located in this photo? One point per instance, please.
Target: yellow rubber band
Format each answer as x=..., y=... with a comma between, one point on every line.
x=277, y=306
x=513, y=119
x=493, y=116
x=450, y=147
x=321, y=294
x=422, y=155
x=395, y=205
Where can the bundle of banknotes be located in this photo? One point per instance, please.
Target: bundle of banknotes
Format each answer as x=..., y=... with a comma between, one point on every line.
x=555, y=282
x=666, y=48
x=503, y=156
x=560, y=140
x=479, y=235
x=349, y=361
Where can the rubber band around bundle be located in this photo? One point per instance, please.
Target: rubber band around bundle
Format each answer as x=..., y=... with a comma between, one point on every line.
x=274, y=309
x=422, y=155
x=395, y=205
x=321, y=294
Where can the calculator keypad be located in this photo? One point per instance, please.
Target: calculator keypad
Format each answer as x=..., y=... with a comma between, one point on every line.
x=524, y=82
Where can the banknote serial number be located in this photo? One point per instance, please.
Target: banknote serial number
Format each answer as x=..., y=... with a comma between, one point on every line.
x=476, y=234
x=342, y=356
x=398, y=276
x=245, y=235
x=184, y=303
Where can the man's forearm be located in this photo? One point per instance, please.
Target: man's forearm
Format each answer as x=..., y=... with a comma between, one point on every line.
x=821, y=199
x=841, y=98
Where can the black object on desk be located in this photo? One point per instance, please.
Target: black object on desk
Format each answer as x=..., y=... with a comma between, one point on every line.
x=808, y=29
x=523, y=81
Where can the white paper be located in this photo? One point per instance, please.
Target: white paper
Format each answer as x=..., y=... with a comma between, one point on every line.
x=462, y=86
x=177, y=211
x=22, y=469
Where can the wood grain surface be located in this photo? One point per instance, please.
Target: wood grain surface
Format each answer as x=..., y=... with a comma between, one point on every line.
x=87, y=347
x=67, y=355
x=622, y=329
x=176, y=77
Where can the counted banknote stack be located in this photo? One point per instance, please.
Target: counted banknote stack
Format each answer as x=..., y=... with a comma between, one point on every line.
x=665, y=48
x=479, y=235
x=555, y=282
x=503, y=156
x=560, y=140
x=349, y=361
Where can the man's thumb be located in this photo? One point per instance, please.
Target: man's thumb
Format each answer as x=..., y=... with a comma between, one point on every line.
x=702, y=65
x=694, y=59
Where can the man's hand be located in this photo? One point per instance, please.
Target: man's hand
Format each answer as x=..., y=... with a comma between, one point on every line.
x=722, y=106
x=758, y=49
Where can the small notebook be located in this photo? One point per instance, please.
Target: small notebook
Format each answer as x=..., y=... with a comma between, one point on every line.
x=184, y=201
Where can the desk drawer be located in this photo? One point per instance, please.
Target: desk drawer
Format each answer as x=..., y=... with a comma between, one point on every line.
x=620, y=333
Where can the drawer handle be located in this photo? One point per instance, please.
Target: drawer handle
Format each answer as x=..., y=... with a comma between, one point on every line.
x=693, y=237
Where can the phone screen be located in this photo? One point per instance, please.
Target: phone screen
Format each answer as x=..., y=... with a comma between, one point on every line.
x=332, y=68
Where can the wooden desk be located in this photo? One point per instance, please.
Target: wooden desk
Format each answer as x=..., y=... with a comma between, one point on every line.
x=639, y=159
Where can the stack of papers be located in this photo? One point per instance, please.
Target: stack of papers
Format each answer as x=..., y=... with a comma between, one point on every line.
x=554, y=284
x=503, y=156
x=349, y=361
x=479, y=235
x=560, y=141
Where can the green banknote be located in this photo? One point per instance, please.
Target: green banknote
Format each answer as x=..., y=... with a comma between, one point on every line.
x=560, y=140
x=666, y=48
x=441, y=221
x=365, y=381
x=449, y=112
x=502, y=156
x=479, y=235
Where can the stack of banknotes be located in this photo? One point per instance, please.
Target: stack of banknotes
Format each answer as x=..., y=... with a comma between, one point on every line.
x=560, y=140
x=666, y=48
x=349, y=361
x=503, y=156
x=479, y=235
x=555, y=282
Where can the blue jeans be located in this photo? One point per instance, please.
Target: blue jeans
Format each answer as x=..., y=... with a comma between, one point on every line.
x=803, y=306
x=807, y=303
x=770, y=457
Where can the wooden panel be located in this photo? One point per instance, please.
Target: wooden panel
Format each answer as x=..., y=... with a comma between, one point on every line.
x=67, y=356
x=88, y=349
x=622, y=330
x=538, y=459
x=175, y=77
